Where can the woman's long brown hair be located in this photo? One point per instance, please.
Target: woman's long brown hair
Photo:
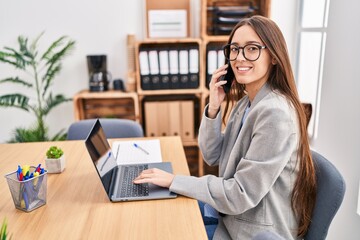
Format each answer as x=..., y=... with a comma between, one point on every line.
x=281, y=78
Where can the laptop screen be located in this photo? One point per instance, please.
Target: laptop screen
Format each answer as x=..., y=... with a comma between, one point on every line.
x=101, y=155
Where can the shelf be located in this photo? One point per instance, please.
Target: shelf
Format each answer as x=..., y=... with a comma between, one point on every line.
x=106, y=104
x=170, y=91
x=218, y=17
x=169, y=66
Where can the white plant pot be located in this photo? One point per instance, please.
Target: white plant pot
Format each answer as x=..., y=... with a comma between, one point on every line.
x=55, y=165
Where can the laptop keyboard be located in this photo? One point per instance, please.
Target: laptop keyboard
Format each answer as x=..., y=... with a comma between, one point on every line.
x=128, y=188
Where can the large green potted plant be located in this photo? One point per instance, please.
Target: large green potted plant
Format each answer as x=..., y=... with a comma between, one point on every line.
x=42, y=69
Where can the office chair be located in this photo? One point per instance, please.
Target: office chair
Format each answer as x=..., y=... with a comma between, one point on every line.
x=330, y=194
x=113, y=128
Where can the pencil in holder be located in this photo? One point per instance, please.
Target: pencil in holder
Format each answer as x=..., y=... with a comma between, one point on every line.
x=28, y=194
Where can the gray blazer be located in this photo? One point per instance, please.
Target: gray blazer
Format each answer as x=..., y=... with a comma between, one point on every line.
x=257, y=168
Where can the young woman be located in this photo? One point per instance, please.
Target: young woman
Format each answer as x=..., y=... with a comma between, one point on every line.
x=266, y=174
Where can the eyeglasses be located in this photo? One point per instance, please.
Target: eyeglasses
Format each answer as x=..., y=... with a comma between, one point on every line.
x=251, y=52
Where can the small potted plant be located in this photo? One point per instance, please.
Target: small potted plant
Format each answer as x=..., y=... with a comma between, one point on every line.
x=55, y=161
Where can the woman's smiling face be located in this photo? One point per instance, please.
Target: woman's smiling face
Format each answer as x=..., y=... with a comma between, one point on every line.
x=251, y=73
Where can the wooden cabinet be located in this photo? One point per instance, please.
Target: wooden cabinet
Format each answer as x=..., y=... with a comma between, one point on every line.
x=218, y=17
x=109, y=104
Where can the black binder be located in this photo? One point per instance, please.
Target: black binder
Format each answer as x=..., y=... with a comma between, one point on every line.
x=184, y=67
x=211, y=62
x=164, y=68
x=154, y=69
x=174, y=68
x=145, y=80
x=194, y=66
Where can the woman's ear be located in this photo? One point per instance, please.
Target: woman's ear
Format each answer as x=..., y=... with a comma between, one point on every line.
x=273, y=61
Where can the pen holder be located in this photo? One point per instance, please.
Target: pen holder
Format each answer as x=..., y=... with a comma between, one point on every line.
x=28, y=194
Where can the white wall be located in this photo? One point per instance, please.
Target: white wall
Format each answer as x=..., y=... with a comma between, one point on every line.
x=97, y=26
x=339, y=129
x=100, y=27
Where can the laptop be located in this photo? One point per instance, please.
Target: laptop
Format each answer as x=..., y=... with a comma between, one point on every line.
x=117, y=179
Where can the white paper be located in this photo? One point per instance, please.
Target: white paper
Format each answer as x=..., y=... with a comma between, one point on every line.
x=148, y=151
x=167, y=23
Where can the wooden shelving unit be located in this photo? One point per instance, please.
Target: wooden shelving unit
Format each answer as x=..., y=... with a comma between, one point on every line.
x=109, y=104
x=169, y=111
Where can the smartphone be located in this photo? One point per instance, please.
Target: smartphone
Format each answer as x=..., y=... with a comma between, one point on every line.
x=229, y=77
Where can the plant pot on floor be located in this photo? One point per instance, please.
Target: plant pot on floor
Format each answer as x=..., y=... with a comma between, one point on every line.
x=55, y=165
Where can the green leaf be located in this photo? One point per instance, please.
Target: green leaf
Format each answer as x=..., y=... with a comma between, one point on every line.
x=23, y=47
x=11, y=59
x=53, y=102
x=18, y=57
x=16, y=80
x=53, y=58
x=33, y=134
x=3, y=230
x=57, y=56
x=49, y=76
x=34, y=43
x=50, y=51
x=15, y=100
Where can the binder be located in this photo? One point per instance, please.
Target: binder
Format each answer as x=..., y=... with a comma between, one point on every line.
x=194, y=67
x=174, y=68
x=164, y=69
x=144, y=70
x=220, y=58
x=184, y=68
x=211, y=64
x=154, y=69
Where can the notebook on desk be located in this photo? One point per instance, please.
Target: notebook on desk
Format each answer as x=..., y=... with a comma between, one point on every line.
x=117, y=179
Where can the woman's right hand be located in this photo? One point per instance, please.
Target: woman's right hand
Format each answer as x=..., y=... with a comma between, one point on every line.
x=217, y=93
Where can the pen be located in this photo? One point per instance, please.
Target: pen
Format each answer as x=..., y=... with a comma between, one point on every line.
x=18, y=172
x=137, y=146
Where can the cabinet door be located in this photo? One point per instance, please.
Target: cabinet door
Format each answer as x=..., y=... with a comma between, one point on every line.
x=163, y=118
x=151, y=116
x=187, y=120
x=174, y=118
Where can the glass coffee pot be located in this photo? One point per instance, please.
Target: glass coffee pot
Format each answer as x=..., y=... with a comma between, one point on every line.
x=99, y=77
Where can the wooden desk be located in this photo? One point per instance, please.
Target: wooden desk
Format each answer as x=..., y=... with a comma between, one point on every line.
x=77, y=206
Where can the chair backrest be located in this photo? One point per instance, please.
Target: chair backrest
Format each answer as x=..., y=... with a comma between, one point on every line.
x=113, y=128
x=330, y=194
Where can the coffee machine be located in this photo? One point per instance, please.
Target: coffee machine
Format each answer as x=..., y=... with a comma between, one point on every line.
x=99, y=77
